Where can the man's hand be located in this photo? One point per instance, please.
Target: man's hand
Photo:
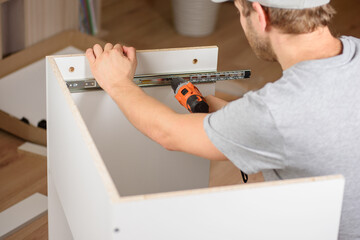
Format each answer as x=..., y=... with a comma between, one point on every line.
x=113, y=67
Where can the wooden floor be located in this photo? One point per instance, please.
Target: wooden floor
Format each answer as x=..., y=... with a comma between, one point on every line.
x=147, y=24
x=21, y=175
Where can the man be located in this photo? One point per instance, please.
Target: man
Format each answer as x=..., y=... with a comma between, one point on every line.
x=304, y=124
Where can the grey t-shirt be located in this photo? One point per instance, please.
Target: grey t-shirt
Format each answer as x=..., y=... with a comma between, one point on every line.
x=305, y=124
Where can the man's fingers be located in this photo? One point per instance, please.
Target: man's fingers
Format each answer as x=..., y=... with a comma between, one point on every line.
x=130, y=53
x=97, y=50
x=90, y=55
x=108, y=46
x=119, y=48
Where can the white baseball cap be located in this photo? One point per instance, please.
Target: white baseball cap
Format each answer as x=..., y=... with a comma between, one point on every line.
x=287, y=4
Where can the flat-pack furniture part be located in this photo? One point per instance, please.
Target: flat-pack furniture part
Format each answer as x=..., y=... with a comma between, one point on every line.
x=21, y=213
x=23, y=93
x=106, y=180
x=29, y=65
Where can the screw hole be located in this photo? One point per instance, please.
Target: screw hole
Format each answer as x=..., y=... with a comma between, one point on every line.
x=195, y=61
x=116, y=230
x=71, y=69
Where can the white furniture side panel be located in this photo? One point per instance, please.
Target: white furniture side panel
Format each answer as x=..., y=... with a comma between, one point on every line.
x=298, y=211
x=23, y=93
x=58, y=225
x=149, y=62
x=137, y=164
x=73, y=163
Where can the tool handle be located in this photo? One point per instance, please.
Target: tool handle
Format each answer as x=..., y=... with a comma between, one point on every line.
x=190, y=97
x=197, y=104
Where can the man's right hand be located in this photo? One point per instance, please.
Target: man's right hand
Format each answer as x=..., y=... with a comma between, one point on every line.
x=113, y=67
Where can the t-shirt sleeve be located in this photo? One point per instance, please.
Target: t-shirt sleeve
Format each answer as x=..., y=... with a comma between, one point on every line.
x=246, y=133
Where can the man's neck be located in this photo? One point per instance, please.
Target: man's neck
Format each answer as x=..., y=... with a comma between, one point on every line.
x=294, y=48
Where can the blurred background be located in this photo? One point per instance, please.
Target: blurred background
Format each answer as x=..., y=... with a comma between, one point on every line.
x=153, y=24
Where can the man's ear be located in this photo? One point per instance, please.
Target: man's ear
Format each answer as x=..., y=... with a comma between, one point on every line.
x=262, y=15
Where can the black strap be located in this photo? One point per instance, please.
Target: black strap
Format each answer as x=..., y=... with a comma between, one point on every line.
x=244, y=176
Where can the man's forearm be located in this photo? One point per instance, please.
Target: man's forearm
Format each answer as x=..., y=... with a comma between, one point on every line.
x=215, y=103
x=179, y=132
x=136, y=104
x=147, y=114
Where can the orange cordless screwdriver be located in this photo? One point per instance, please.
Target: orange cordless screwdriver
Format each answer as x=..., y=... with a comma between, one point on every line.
x=189, y=96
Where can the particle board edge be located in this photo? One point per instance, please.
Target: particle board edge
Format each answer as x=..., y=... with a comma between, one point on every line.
x=230, y=188
x=178, y=48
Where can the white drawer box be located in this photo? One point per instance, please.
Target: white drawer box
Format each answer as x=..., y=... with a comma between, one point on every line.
x=108, y=181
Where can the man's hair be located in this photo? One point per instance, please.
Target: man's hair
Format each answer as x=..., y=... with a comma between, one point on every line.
x=294, y=21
